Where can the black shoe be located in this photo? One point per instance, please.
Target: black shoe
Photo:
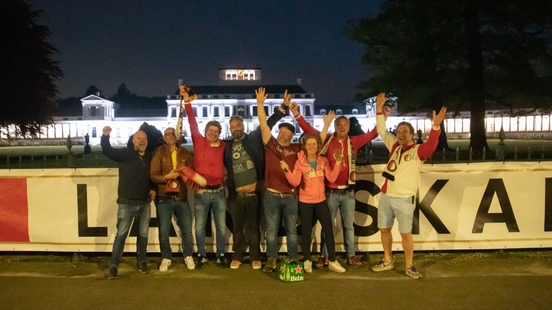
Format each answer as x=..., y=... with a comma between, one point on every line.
x=113, y=270
x=143, y=268
x=222, y=262
x=201, y=262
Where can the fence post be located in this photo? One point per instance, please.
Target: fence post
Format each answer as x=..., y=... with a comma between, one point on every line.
x=444, y=154
x=529, y=153
x=484, y=153
x=471, y=155
x=515, y=153
x=457, y=153
x=369, y=156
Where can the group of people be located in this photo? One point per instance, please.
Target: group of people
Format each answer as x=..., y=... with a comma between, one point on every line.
x=295, y=182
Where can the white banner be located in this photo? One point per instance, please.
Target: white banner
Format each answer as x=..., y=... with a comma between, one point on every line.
x=460, y=206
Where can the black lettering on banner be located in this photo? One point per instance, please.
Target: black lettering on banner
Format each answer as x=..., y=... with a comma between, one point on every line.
x=371, y=211
x=495, y=186
x=548, y=204
x=425, y=207
x=82, y=209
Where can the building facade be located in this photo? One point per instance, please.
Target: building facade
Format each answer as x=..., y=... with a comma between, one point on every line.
x=235, y=95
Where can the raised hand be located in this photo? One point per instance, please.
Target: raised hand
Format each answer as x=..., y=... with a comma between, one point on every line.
x=438, y=118
x=261, y=96
x=184, y=93
x=294, y=108
x=328, y=118
x=287, y=98
x=380, y=102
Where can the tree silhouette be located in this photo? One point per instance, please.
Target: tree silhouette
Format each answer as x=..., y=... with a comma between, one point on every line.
x=92, y=90
x=460, y=54
x=27, y=71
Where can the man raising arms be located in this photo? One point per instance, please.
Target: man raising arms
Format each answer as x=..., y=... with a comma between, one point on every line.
x=209, y=162
x=402, y=177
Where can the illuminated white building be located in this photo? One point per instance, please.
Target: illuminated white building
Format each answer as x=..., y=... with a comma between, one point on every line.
x=235, y=95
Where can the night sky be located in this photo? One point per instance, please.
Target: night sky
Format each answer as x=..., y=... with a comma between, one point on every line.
x=149, y=45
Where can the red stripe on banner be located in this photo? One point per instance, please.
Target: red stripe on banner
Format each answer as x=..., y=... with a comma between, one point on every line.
x=14, y=210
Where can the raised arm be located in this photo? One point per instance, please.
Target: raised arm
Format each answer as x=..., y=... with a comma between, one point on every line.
x=380, y=120
x=261, y=97
x=328, y=119
x=305, y=126
x=194, y=128
x=425, y=150
x=107, y=149
x=438, y=118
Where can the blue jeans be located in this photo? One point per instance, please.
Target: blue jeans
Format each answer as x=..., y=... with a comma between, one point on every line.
x=217, y=203
x=166, y=207
x=273, y=207
x=125, y=215
x=346, y=205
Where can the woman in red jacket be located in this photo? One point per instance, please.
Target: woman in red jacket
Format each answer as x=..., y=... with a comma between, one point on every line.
x=309, y=172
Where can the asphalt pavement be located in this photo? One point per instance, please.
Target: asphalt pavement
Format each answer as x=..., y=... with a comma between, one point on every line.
x=482, y=280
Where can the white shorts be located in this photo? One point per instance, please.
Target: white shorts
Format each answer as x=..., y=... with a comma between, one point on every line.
x=401, y=208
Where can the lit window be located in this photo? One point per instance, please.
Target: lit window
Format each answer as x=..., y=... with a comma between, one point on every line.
x=241, y=110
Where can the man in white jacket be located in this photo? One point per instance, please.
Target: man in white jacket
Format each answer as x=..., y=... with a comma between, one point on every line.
x=402, y=177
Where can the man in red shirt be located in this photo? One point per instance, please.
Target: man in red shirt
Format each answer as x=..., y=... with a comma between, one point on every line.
x=209, y=162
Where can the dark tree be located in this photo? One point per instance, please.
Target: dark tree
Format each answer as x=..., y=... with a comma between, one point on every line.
x=27, y=71
x=123, y=96
x=92, y=90
x=461, y=54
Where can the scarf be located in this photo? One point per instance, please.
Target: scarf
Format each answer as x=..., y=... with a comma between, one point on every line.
x=395, y=160
x=352, y=173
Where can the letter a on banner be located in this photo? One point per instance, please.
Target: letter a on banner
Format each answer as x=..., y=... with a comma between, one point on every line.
x=495, y=186
x=14, y=210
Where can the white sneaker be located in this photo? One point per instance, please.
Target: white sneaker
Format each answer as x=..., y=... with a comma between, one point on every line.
x=308, y=266
x=335, y=266
x=165, y=263
x=189, y=261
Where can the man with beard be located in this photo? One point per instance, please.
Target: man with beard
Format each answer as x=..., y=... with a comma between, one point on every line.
x=244, y=160
x=340, y=193
x=280, y=197
x=209, y=162
x=134, y=196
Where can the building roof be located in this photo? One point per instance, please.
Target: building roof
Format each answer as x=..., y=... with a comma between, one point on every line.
x=245, y=89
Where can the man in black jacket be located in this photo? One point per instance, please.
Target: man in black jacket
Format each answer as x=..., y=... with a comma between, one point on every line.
x=244, y=160
x=134, y=196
